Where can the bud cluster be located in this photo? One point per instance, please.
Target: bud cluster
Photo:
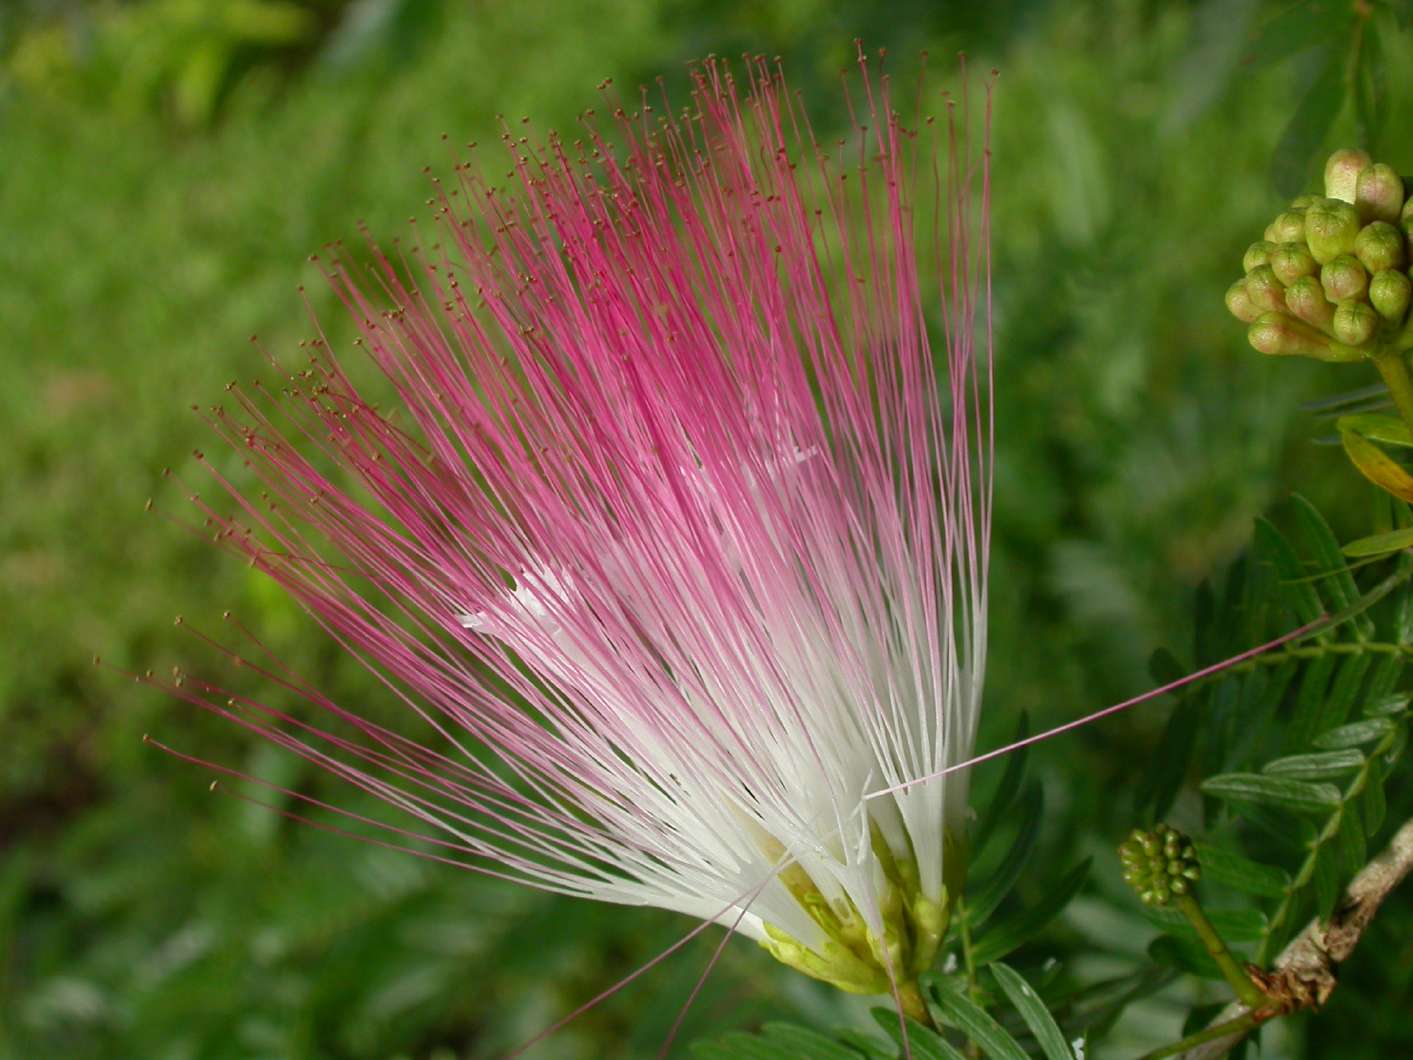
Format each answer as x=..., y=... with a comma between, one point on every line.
x=1330, y=279
x=1159, y=864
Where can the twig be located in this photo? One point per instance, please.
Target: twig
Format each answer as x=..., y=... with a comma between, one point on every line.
x=1304, y=974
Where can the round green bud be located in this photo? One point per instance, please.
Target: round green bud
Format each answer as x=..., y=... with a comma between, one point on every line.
x=1389, y=293
x=1380, y=246
x=1257, y=254
x=1159, y=864
x=1239, y=303
x=1344, y=279
x=1330, y=229
x=1287, y=227
x=1291, y=261
x=1354, y=323
x=1264, y=290
x=1306, y=299
x=1342, y=173
x=1379, y=193
x=1282, y=336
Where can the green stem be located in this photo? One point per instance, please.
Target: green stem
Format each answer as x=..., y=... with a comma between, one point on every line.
x=1327, y=834
x=1246, y=990
x=1394, y=370
x=1243, y=1024
x=913, y=1004
x=1313, y=651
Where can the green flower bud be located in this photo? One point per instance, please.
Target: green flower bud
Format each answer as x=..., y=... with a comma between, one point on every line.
x=1405, y=221
x=1379, y=194
x=1380, y=246
x=1159, y=864
x=1306, y=299
x=1389, y=293
x=1354, y=323
x=1291, y=261
x=1330, y=229
x=1264, y=289
x=1344, y=279
x=1287, y=227
x=1240, y=305
x=1279, y=335
x=1342, y=173
x=1257, y=254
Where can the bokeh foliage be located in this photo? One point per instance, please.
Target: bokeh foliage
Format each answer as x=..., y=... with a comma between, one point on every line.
x=169, y=164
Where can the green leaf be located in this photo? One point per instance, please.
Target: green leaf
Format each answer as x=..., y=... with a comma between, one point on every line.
x=1299, y=796
x=1387, y=706
x=1339, y=587
x=1379, y=544
x=868, y=1047
x=982, y=901
x=961, y=1012
x=738, y=1045
x=1373, y=395
x=788, y=1041
x=1297, y=28
x=1348, y=681
x=1006, y=791
x=924, y=1042
x=1375, y=806
x=1307, y=127
x=1164, y=667
x=1252, y=735
x=1098, y=1007
x=801, y=1041
x=1037, y=1017
x=1297, y=593
x=1382, y=683
x=1350, y=846
x=1370, y=88
x=1377, y=427
x=1355, y=734
x=1185, y=955
x=1400, y=743
x=1310, y=701
x=1315, y=766
x=1403, y=608
x=1377, y=466
x=1006, y=934
x=1164, y=777
x=1221, y=866
x=1234, y=925
x=1327, y=881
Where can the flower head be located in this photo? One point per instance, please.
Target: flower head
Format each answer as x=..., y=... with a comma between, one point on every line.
x=674, y=539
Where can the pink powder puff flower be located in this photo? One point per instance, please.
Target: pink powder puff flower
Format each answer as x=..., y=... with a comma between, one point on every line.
x=675, y=539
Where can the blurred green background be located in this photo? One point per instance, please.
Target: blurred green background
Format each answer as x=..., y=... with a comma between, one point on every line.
x=166, y=166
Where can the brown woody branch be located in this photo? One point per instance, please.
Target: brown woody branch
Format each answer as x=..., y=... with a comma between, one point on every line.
x=1304, y=975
